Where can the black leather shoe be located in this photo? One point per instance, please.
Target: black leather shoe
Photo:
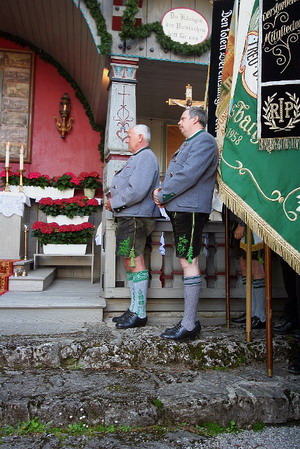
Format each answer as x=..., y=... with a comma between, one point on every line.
x=179, y=333
x=169, y=330
x=257, y=324
x=239, y=319
x=294, y=368
x=124, y=315
x=284, y=328
x=132, y=320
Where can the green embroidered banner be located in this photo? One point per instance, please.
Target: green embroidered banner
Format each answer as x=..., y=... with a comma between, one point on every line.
x=263, y=188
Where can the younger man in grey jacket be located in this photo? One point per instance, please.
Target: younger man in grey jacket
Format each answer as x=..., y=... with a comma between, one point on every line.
x=186, y=193
x=132, y=204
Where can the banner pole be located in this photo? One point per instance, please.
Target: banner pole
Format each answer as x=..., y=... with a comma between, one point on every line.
x=227, y=268
x=268, y=295
x=248, y=284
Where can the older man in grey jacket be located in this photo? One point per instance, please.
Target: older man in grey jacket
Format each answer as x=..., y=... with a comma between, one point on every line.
x=186, y=193
x=131, y=202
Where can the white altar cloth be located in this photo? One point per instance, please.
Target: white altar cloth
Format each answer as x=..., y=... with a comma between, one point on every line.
x=13, y=203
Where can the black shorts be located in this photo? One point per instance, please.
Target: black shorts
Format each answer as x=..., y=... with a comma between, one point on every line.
x=187, y=229
x=132, y=234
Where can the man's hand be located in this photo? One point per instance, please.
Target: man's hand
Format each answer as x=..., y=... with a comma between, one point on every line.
x=239, y=232
x=155, y=198
x=108, y=205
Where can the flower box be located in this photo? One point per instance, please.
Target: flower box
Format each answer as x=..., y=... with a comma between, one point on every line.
x=64, y=220
x=70, y=207
x=64, y=249
x=72, y=234
x=40, y=192
x=89, y=193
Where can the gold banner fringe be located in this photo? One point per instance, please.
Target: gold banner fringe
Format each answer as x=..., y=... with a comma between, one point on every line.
x=259, y=226
x=279, y=143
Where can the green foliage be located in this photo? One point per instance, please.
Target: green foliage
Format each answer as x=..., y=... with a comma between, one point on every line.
x=258, y=427
x=124, y=247
x=77, y=428
x=212, y=429
x=24, y=428
x=158, y=404
x=106, y=38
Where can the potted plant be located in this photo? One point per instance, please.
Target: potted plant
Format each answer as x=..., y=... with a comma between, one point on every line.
x=36, y=179
x=66, y=181
x=68, y=210
x=13, y=178
x=63, y=240
x=90, y=182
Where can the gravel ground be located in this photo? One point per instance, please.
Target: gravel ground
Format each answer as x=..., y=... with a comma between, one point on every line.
x=282, y=437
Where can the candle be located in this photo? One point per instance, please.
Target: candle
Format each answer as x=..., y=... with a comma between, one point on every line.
x=7, y=155
x=22, y=158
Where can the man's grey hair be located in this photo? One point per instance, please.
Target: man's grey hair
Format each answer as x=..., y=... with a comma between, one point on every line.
x=144, y=130
x=200, y=113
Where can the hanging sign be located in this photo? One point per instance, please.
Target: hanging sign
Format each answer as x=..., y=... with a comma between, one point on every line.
x=185, y=25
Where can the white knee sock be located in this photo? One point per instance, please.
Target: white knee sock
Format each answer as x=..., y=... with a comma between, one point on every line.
x=140, y=282
x=258, y=293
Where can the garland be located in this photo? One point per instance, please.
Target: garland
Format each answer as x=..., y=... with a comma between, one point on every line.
x=130, y=31
x=78, y=92
x=106, y=38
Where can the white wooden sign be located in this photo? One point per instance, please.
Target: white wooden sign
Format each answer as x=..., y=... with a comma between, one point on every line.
x=185, y=25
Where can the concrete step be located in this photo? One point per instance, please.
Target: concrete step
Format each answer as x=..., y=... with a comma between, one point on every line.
x=67, y=305
x=23, y=265
x=35, y=281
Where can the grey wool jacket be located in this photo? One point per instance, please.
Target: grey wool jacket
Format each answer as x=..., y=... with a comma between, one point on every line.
x=190, y=178
x=132, y=186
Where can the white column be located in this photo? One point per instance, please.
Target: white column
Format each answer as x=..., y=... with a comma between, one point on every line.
x=121, y=115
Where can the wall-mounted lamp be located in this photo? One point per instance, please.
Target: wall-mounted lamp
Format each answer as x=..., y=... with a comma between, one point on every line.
x=64, y=109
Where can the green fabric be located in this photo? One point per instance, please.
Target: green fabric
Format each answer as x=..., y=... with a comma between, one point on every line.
x=260, y=187
x=168, y=197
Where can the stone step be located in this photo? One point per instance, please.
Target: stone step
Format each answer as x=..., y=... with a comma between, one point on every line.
x=134, y=378
x=148, y=397
x=35, y=281
x=103, y=346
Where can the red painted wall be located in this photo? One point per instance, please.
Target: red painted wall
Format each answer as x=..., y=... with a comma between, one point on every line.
x=51, y=154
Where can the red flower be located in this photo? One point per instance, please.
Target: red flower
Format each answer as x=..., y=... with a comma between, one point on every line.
x=34, y=175
x=92, y=202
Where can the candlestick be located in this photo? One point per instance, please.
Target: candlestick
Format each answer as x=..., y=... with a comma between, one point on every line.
x=21, y=180
x=25, y=227
x=7, y=189
x=22, y=157
x=7, y=155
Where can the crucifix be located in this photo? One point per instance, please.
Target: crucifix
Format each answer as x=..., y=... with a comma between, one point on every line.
x=188, y=102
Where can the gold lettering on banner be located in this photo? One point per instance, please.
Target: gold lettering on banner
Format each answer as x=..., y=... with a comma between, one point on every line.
x=244, y=121
x=283, y=110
